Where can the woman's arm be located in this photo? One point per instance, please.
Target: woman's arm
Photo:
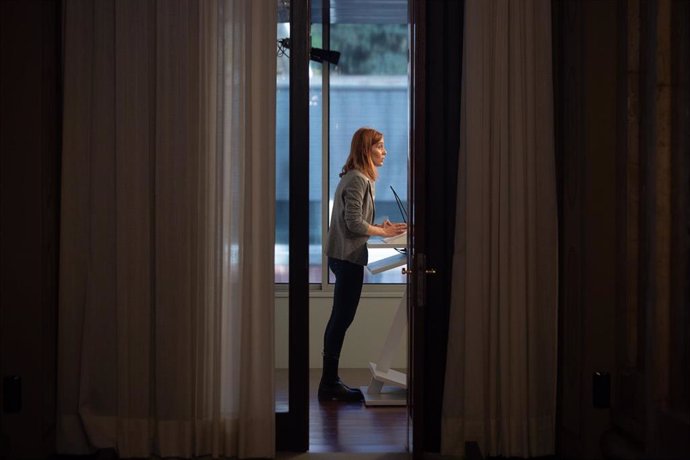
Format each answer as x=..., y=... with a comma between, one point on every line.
x=353, y=196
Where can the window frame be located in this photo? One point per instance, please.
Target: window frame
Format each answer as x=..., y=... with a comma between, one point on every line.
x=325, y=288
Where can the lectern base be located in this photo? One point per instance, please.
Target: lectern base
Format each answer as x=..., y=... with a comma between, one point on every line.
x=389, y=396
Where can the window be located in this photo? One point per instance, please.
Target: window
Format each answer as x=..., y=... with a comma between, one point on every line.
x=368, y=87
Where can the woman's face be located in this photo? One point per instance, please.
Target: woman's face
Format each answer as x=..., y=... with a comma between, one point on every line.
x=378, y=153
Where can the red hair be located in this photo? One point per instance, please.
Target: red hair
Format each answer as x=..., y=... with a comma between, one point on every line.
x=360, y=152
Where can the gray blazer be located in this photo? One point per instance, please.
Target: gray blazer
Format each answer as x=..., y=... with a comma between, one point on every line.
x=353, y=211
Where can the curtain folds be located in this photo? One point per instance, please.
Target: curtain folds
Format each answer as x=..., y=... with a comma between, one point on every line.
x=500, y=384
x=167, y=228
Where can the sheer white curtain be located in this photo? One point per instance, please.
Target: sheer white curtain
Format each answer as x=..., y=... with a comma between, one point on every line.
x=167, y=228
x=500, y=387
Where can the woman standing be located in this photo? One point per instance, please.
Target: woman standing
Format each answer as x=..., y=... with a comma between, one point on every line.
x=351, y=226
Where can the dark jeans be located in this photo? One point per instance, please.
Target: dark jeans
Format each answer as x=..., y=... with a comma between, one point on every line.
x=348, y=287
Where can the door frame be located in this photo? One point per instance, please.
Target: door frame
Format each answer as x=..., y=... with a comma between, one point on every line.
x=292, y=427
x=436, y=62
x=417, y=236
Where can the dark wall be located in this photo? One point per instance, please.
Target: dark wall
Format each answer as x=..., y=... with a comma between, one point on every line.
x=586, y=38
x=29, y=165
x=621, y=91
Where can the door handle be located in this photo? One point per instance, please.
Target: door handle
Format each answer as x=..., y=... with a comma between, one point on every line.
x=405, y=271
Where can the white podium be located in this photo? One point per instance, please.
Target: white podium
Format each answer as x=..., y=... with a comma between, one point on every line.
x=388, y=387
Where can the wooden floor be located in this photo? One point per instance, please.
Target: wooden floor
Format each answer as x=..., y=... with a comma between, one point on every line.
x=348, y=427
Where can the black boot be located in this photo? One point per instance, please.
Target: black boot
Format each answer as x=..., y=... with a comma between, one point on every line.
x=331, y=387
x=338, y=391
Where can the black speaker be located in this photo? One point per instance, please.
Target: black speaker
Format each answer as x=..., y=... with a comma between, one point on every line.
x=12, y=394
x=601, y=390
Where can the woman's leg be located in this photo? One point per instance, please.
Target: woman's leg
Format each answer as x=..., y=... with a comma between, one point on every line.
x=348, y=288
x=349, y=278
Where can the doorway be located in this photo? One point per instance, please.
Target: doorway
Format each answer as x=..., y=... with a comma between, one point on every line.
x=368, y=87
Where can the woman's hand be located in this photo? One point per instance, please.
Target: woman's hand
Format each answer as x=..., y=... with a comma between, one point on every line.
x=392, y=229
x=387, y=228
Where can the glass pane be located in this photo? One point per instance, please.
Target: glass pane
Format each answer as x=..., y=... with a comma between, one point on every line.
x=283, y=164
x=282, y=150
x=369, y=87
x=282, y=211
x=315, y=159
